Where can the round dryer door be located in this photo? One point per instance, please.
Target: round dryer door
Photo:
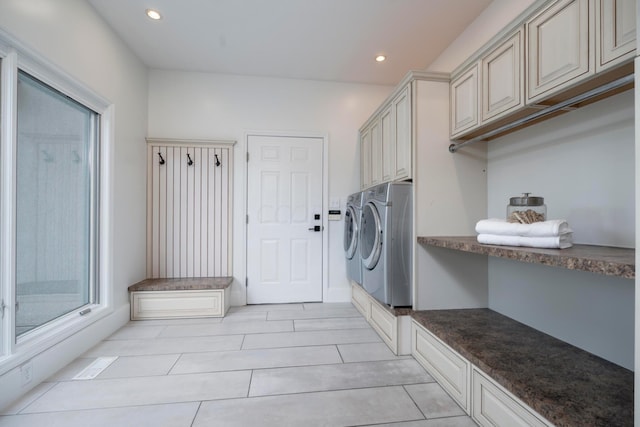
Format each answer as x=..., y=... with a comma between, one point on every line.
x=350, y=232
x=370, y=236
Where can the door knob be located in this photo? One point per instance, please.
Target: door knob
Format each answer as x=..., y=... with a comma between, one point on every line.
x=316, y=228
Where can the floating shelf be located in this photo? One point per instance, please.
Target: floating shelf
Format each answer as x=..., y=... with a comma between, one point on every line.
x=605, y=260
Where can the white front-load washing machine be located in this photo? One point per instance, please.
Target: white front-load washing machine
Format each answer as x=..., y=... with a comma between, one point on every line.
x=386, y=233
x=352, y=237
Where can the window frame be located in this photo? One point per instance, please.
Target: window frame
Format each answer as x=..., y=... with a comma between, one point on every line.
x=15, y=56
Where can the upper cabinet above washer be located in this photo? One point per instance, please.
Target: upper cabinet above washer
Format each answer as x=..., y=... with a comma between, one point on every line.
x=387, y=137
x=552, y=52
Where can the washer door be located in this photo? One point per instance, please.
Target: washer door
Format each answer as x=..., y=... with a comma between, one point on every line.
x=350, y=232
x=370, y=236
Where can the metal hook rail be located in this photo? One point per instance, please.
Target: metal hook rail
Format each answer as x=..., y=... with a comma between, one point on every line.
x=546, y=111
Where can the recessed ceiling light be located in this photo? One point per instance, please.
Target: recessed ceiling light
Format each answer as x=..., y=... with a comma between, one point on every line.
x=380, y=58
x=153, y=14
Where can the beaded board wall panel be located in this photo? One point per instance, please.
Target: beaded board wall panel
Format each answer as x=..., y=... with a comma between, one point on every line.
x=189, y=209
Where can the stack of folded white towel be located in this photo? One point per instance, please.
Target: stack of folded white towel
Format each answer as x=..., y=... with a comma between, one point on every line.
x=544, y=234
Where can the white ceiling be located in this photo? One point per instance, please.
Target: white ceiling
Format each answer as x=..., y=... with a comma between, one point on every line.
x=334, y=40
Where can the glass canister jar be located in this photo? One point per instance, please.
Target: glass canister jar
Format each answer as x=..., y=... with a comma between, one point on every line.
x=526, y=209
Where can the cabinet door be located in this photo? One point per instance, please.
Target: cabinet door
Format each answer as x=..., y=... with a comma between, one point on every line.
x=376, y=153
x=388, y=137
x=616, y=24
x=450, y=369
x=403, y=136
x=464, y=102
x=503, y=78
x=365, y=158
x=494, y=406
x=559, y=48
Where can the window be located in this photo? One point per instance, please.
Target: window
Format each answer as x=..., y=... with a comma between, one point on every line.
x=55, y=253
x=56, y=148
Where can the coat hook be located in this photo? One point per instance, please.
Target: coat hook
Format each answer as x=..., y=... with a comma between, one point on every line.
x=189, y=161
x=217, y=160
x=47, y=157
x=161, y=159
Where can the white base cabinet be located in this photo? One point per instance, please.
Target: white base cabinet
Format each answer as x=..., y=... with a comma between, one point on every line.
x=360, y=300
x=488, y=403
x=388, y=326
x=450, y=369
x=494, y=406
x=179, y=304
x=385, y=324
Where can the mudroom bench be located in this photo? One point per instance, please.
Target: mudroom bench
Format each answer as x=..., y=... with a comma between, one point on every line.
x=180, y=298
x=503, y=372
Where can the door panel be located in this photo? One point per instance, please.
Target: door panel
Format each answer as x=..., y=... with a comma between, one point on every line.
x=284, y=257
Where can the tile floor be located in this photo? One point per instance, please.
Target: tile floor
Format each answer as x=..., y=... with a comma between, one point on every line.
x=272, y=365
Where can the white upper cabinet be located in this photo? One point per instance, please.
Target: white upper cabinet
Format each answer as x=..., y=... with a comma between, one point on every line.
x=554, y=51
x=464, y=102
x=559, y=48
x=616, y=22
x=376, y=153
x=401, y=107
x=365, y=158
x=503, y=78
x=387, y=132
x=386, y=139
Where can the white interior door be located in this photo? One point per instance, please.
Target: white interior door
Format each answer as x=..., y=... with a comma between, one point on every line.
x=284, y=252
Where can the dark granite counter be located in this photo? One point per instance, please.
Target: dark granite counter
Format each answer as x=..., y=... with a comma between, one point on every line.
x=609, y=261
x=182, y=284
x=566, y=385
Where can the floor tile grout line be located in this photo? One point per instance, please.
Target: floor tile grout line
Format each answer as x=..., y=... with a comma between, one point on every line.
x=100, y=408
x=196, y=414
x=249, y=387
x=232, y=334
x=241, y=347
x=37, y=398
x=174, y=364
x=413, y=400
x=328, y=391
x=244, y=337
x=339, y=353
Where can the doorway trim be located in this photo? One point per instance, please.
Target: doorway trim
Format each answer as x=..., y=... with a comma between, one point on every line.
x=325, y=199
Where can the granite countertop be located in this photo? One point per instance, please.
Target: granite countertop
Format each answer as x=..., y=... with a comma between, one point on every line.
x=609, y=261
x=182, y=284
x=566, y=385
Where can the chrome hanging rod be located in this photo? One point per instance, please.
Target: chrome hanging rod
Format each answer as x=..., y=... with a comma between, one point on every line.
x=546, y=111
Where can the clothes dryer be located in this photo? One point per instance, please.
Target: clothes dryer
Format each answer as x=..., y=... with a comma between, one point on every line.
x=352, y=237
x=386, y=233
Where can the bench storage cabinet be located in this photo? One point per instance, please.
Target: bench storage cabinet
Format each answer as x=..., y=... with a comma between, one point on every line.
x=516, y=375
x=449, y=368
x=180, y=298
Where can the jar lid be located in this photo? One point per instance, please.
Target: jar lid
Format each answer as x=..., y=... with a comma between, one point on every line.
x=526, y=200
